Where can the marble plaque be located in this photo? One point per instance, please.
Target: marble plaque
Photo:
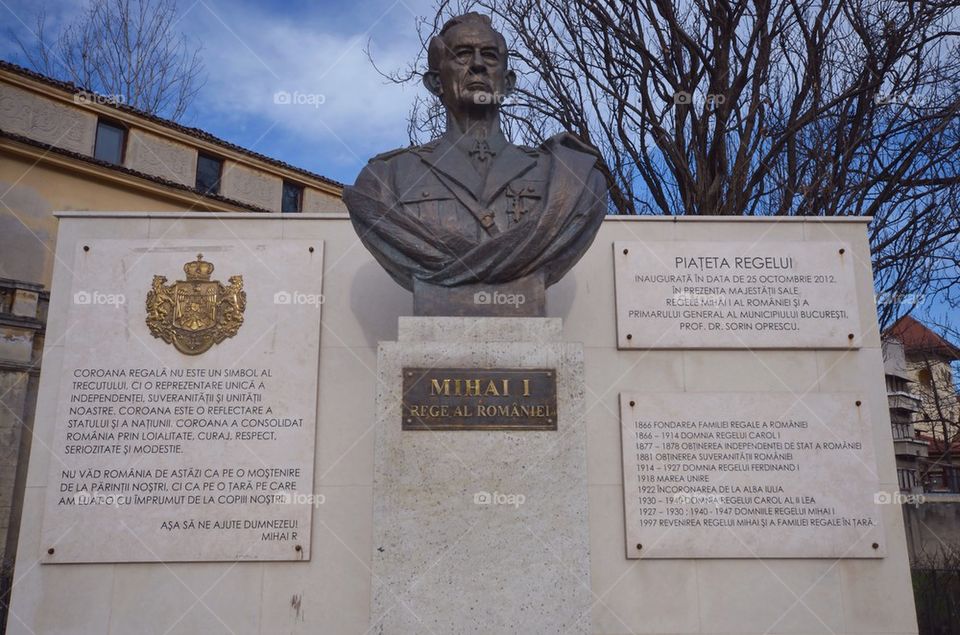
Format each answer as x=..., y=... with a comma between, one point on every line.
x=758, y=294
x=205, y=455
x=749, y=475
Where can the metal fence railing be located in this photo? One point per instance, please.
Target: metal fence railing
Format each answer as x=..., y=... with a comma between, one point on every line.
x=937, y=596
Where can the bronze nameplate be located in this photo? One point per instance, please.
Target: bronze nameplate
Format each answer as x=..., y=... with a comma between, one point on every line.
x=479, y=399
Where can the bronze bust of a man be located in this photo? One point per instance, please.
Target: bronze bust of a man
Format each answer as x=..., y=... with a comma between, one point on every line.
x=469, y=207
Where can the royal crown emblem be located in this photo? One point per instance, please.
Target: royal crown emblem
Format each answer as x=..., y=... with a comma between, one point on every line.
x=196, y=313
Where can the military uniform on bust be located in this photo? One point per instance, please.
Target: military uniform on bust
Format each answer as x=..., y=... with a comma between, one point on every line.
x=469, y=207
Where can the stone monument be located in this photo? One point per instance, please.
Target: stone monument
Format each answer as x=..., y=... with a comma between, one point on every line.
x=481, y=443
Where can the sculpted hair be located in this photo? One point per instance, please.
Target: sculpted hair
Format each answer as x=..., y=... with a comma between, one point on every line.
x=438, y=43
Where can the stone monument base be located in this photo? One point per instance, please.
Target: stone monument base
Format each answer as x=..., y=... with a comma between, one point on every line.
x=480, y=530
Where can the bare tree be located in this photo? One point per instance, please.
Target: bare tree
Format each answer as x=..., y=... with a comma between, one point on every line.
x=755, y=107
x=939, y=415
x=938, y=388
x=126, y=49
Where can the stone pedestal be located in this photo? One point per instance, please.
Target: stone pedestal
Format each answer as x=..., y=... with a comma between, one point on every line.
x=480, y=531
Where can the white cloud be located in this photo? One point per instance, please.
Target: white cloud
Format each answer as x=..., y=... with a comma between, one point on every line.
x=20, y=18
x=335, y=95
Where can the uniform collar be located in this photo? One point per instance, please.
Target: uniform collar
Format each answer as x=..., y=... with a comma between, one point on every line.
x=467, y=143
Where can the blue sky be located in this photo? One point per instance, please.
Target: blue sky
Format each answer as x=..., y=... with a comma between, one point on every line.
x=312, y=51
x=315, y=53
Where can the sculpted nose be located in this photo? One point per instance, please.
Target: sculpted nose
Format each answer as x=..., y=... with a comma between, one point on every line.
x=476, y=64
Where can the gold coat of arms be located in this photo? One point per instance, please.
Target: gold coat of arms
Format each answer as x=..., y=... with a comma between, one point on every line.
x=196, y=313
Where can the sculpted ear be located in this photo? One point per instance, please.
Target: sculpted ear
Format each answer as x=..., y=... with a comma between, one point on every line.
x=509, y=82
x=431, y=79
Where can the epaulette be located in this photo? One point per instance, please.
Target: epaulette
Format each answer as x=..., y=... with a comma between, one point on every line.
x=429, y=145
x=389, y=154
x=572, y=142
x=383, y=156
x=534, y=152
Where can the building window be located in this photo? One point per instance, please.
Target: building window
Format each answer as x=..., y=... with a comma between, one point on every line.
x=292, y=202
x=951, y=479
x=110, y=142
x=208, y=173
x=907, y=479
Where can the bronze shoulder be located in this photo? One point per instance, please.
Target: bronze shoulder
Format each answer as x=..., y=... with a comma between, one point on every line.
x=531, y=151
x=571, y=142
x=428, y=146
x=390, y=154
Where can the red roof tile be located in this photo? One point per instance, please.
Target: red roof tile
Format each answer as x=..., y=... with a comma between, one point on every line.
x=193, y=132
x=917, y=337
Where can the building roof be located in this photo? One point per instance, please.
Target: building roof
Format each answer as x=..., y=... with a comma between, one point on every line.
x=46, y=147
x=193, y=132
x=937, y=446
x=918, y=338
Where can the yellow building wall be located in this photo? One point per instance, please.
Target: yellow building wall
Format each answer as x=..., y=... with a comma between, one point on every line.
x=35, y=182
x=938, y=396
x=30, y=191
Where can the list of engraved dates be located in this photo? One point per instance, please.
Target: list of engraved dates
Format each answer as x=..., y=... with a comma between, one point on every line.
x=735, y=295
x=748, y=475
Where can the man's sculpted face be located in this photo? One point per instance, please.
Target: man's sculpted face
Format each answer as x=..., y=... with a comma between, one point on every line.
x=473, y=73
